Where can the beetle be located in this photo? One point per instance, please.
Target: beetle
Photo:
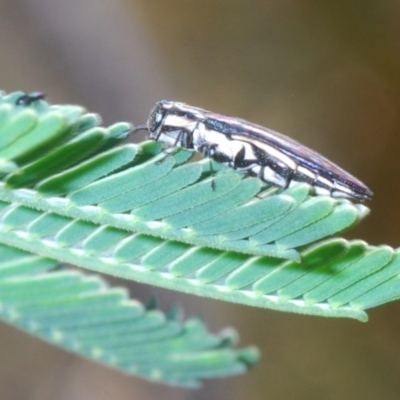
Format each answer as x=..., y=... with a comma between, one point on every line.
x=271, y=156
x=29, y=98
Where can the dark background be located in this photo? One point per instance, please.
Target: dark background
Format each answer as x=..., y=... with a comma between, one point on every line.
x=324, y=72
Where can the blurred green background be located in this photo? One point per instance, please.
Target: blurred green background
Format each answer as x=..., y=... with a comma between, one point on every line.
x=326, y=73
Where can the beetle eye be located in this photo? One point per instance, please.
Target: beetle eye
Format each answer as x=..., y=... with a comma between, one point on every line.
x=156, y=118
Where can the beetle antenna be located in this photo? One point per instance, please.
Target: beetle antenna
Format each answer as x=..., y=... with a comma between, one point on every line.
x=140, y=128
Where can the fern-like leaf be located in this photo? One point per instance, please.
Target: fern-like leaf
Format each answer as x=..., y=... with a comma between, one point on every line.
x=72, y=192
x=84, y=315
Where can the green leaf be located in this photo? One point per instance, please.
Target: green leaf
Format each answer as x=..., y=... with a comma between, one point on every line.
x=328, y=281
x=83, y=315
x=71, y=191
